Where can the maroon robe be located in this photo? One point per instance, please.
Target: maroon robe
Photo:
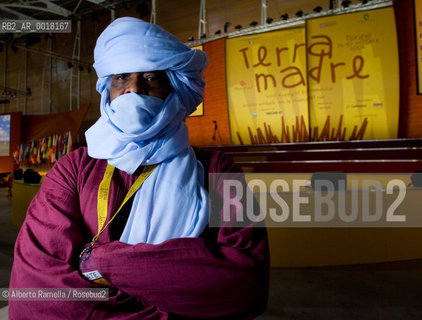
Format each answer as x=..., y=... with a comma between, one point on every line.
x=222, y=274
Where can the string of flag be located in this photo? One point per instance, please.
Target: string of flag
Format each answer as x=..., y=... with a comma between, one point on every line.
x=45, y=150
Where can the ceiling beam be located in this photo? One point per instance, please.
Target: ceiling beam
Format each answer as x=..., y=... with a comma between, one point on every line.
x=96, y=1
x=56, y=8
x=20, y=16
x=50, y=7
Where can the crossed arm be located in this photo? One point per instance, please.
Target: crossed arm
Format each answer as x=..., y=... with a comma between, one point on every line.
x=207, y=277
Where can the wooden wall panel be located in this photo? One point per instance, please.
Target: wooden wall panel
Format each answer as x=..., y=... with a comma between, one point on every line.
x=277, y=8
x=181, y=18
x=14, y=76
x=235, y=12
x=37, y=102
x=38, y=67
x=410, y=125
x=35, y=127
x=201, y=129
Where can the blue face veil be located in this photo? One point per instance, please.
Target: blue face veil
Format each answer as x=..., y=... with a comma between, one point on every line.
x=136, y=130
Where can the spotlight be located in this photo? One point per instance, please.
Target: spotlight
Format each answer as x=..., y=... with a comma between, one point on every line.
x=299, y=14
x=191, y=38
x=253, y=24
x=346, y=3
x=14, y=48
x=226, y=26
x=318, y=9
x=269, y=20
x=238, y=27
x=217, y=33
x=284, y=16
x=70, y=65
x=203, y=36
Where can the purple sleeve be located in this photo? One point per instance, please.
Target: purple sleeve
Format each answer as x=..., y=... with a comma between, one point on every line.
x=224, y=276
x=45, y=254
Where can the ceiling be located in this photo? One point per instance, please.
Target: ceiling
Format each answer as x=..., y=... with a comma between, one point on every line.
x=93, y=9
x=58, y=10
x=61, y=10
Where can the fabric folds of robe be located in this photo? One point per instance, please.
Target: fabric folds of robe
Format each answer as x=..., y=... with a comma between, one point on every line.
x=222, y=275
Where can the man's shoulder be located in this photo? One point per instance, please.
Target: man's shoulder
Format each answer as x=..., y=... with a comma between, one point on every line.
x=81, y=155
x=78, y=160
x=214, y=160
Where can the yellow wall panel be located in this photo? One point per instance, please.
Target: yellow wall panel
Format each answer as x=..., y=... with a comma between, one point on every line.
x=353, y=76
x=267, y=87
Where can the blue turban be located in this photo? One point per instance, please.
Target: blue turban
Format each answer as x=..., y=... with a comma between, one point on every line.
x=136, y=129
x=132, y=45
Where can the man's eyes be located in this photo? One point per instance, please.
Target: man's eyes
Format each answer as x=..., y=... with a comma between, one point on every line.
x=151, y=77
x=147, y=77
x=122, y=76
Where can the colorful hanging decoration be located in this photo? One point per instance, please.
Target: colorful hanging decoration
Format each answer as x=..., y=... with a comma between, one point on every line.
x=45, y=150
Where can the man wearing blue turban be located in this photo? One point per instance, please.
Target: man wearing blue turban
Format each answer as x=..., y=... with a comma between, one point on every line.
x=138, y=191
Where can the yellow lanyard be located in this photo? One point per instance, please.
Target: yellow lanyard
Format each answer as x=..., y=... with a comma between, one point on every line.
x=103, y=193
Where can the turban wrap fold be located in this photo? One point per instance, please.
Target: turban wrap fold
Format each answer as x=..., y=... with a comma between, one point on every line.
x=132, y=45
x=136, y=130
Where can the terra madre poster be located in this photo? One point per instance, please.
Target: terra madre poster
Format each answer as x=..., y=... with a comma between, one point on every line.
x=338, y=79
